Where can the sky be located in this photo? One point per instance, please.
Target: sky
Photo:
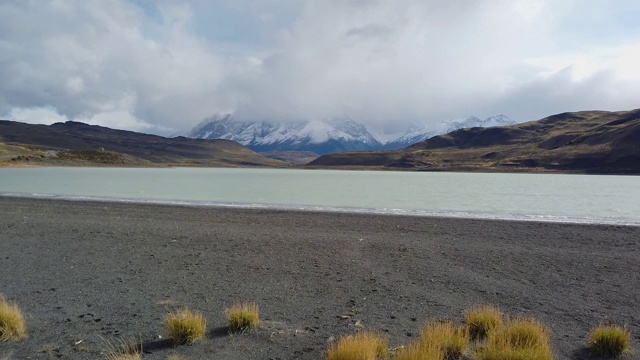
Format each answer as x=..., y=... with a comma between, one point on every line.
x=162, y=66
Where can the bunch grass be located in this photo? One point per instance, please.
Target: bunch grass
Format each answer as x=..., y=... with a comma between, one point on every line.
x=364, y=345
x=186, y=326
x=420, y=351
x=242, y=317
x=610, y=341
x=483, y=319
x=518, y=339
x=12, y=324
x=453, y=341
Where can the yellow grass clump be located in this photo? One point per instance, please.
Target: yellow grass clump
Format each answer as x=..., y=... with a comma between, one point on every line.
x=12, y=325
x=519, y=339
x=452, y=340
x=241, y=317
x=481, y=320
x=610, y=341
x=364, y=345
x=186, y=326
x=420, y=351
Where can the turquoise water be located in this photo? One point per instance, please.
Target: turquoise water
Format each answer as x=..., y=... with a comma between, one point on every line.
x=546, y=197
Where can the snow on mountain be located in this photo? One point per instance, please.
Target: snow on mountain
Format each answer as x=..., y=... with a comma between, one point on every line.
x=320, y=137
x=419, y=133
x=326, y=136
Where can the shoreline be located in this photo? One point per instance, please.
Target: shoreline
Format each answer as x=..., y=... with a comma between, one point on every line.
x=317, y=209
x=93, y=270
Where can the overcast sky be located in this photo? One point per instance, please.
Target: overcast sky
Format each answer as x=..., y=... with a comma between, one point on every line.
x=161, y=66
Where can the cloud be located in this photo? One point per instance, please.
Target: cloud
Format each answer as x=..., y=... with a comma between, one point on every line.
x=162, y=66
x=36, y=115
x=91, y=57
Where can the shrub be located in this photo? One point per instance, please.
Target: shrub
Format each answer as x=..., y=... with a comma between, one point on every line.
x=12, y=325
x=610, y=341
x=481, y=320
x=186, y=326
x=241, y=317
x=361, y=346
x=519, y=339
x=452, y=340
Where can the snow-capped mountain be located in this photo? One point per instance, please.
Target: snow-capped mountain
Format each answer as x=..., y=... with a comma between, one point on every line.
x=327, y=136
x=320, y=137
x=418, y=133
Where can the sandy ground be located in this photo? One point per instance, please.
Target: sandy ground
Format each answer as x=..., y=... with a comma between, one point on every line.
x=87, y=273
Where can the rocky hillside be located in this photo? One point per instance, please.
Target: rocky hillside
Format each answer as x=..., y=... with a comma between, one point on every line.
x=580, y=142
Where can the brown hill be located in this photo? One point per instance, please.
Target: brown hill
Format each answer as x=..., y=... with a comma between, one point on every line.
x=74, y=143
x=579, y=142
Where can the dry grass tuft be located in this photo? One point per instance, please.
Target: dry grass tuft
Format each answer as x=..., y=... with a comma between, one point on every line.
x=364, y=345
x=610, y=341
x=452, y=340
x=519, y=339
x=420, y=351
x=241, y=317
x=481, y=320
x=123, y=349
x=12, y=325
x=186, y=326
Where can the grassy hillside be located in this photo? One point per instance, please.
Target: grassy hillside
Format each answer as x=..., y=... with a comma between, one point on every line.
x=580, y=142
x=74, y=143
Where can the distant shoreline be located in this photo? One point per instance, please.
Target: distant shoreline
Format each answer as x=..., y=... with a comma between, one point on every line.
x=470, y=170
x=311, y=210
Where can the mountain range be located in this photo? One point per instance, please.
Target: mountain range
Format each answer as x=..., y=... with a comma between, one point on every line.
x=579, y=142
x=323, y=137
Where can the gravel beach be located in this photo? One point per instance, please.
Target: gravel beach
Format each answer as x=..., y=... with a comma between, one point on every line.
x=85, y=273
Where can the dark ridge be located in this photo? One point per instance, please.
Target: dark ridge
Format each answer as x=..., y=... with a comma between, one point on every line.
x=580, y=142
x=76, y=136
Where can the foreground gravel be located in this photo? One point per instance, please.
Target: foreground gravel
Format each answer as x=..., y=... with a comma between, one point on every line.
x=85, y=273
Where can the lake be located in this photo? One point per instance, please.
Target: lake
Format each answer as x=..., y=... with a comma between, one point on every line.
x=542, y=197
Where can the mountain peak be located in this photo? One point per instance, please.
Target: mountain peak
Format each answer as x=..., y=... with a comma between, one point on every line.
x=325, y=136
x=220, y=117
x=319, y=136
x=417, y=134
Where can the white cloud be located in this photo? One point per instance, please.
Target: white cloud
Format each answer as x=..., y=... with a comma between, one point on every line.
x=89, y=57
x=159, y=66
x=121, y=119
x=36, y=115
